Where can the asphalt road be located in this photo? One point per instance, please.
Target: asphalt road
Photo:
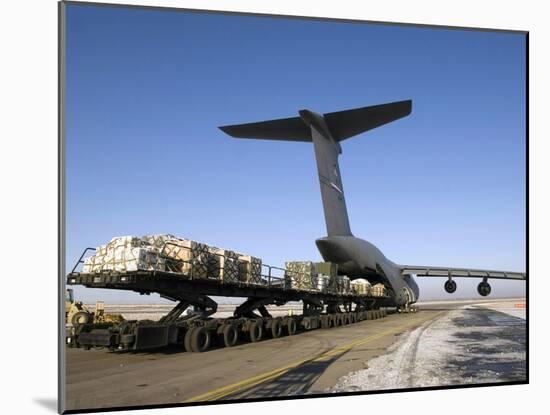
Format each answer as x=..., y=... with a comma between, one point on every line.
x=307, y=363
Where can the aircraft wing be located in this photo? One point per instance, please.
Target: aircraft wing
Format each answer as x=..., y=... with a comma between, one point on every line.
x=432, y=271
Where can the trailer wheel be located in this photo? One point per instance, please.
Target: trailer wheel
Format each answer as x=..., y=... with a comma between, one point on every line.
x=276, y=328
x=187, y=339
x=200, y=339
x=230, y=335
x=291, y=327
x=256, y=331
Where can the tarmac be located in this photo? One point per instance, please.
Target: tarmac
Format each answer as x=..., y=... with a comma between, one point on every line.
x=444, y=343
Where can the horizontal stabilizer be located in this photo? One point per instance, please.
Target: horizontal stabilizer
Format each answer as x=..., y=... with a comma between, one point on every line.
x=341, y=124
x=345, y=124
x=290, y=129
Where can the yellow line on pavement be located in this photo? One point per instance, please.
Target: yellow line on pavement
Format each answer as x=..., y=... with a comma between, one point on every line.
x=264, y=377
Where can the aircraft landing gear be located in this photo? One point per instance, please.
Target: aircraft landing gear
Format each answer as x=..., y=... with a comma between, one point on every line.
x=407, y=308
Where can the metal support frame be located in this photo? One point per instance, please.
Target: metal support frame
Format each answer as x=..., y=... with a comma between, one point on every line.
x=174, y=314
x=247, y=308
x=204, y=307
x=312, y=306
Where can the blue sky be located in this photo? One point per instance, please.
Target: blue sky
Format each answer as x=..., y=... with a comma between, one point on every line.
x=147, y=89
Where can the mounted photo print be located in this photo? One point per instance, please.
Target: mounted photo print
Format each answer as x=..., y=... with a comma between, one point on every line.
x=260, y=207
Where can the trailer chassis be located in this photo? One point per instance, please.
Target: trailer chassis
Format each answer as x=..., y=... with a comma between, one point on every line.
x=197, y=331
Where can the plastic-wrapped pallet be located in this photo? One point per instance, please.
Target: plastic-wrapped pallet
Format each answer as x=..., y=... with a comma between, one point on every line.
x=250, y=269
x=158, y=241
x=345, y=285
x=183, y=255
x=326, y=268
x=323, y=282
x=118, y=242
x=315, y=282
x=225, y=265
x=126, y=253
x=299, y=275
x=378, y=290
x=332, y=286
x=360, y=286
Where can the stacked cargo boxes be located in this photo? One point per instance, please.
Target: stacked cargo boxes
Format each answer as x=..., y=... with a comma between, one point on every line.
x=345, y=285
x=378, y=290
x=340, y=284
x=124, y=254
x=250, y=269
x=166, y=252
x=158, y=241
x=360, y=287
x=326, y=268
x=335, y=284
x=323, y=283
x=327, y=276
x=225, y=265
x=300, y=275
x=184, y=256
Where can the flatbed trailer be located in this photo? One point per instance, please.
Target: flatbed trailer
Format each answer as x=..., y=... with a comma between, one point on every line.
x=197, y=331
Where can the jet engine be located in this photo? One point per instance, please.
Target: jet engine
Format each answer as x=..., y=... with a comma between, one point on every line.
x=450, y=286
x=484, y=289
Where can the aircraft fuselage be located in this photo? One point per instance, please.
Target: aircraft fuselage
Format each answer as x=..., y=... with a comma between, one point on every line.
x=358, y=258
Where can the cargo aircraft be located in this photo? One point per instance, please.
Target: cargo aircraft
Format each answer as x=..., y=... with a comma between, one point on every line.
x=356, y=257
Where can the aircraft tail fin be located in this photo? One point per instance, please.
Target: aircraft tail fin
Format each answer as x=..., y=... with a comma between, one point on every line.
x=325, y=132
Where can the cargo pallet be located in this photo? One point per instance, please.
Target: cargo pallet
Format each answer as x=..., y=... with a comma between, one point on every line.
x=198, y=331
